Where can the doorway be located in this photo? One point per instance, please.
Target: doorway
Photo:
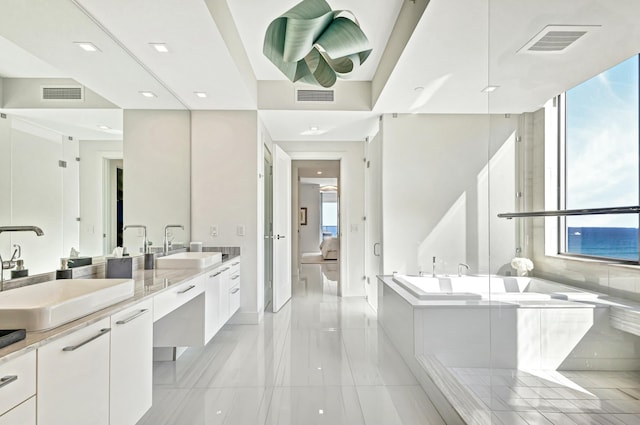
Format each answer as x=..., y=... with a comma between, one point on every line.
x=113, y=203
x=318, y=221
x=268, y=230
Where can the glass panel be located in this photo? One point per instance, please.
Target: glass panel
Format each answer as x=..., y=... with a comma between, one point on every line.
x=602, y=162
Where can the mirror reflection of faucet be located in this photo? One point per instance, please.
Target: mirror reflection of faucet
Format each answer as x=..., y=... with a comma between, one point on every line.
x=166, y=242
x=13, y=262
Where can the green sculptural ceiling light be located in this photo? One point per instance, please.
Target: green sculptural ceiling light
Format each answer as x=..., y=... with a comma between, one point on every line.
x=316, y=45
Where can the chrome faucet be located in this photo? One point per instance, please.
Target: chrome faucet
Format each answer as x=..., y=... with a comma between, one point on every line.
x=165, y=243
x=145, y=244
x=433, y=268
x=8, y=265
x=460, y=266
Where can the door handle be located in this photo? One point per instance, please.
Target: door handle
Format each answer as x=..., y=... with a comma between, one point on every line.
x=280, y=237
x=376, y=245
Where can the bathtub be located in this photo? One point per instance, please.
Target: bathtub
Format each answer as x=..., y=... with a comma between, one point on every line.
x=490, y=288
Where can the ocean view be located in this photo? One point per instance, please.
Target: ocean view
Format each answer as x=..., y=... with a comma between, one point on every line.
x=612, y=242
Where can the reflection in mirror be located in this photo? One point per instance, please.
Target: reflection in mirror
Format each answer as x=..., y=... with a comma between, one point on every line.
x=66, y=186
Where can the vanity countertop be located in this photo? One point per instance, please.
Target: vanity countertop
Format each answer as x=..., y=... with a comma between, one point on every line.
x=148, y=283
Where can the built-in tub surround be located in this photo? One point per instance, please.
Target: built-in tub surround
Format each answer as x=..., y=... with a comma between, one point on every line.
x=519, y=327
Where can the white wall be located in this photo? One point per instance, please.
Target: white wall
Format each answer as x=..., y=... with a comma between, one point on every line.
x=435, y=184
x=226, y=191
x=92, y=157
x=310, y=234
x=157, y=174
x=352, y=228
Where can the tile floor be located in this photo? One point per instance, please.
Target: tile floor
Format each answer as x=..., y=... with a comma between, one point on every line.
x=321, y=360
x=517, y=397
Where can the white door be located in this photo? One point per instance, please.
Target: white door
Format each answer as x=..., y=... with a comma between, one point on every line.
x=281, y=228
x=373, y=205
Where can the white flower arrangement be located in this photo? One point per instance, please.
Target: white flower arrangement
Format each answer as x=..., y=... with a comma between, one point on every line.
x=522, y=265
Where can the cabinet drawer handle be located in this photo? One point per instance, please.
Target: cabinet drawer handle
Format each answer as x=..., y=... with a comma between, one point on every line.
x=235, y=277
x=128, y=319
x=235, y=291
x=215, y=274
x=75, y=347
x=235, y=264
x=7, y=380
x=187, y=290
x=225, y=269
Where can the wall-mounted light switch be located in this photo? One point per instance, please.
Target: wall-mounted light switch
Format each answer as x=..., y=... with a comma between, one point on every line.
x=213, y=230
x=240, y=230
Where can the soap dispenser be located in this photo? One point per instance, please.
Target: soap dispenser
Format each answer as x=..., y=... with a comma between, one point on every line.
x=20, y=271
x=64, y=272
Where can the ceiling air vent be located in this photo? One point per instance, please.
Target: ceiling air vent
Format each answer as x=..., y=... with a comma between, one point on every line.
x=556, y=38
x=62, y=93
x=303, y=95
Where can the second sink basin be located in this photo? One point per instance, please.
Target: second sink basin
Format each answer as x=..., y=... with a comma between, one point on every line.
x=189, y=260
x=49, y=304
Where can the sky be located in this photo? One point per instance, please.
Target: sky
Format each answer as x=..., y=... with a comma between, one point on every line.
x=602, y=145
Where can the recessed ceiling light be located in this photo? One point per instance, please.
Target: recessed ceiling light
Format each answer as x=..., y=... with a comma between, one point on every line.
x=314, y=128
x=86, y=46
x=148, y=94
x=489, y=89
x=320, y=412
x=319, y=173
x=104, y=127
x=160, y=47
x=200, y=94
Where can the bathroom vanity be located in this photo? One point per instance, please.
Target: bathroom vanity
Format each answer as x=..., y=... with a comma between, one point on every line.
x=98, y=369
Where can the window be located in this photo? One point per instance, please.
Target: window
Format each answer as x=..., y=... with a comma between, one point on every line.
x=600, y=166
x=329, y=202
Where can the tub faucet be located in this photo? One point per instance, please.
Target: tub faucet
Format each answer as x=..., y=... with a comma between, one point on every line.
x=433, y=268
x=166, y=236
x=7, y=265
x=460, y=266
x=145, y=244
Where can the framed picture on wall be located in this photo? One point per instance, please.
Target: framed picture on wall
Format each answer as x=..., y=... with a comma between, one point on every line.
x=303, y=216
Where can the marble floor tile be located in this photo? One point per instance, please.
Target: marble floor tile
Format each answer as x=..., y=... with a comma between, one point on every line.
x=627, y=419
x=397, y=405
x=314, y=357
x=228, y=406
x=166, y=409
x=557, y=418
x=374, y=360
x=328, y=405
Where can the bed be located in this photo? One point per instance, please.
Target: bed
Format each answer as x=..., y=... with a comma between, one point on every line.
x=330, y=248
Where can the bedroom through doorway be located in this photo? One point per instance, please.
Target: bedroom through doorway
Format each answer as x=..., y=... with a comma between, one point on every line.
x=318, y=215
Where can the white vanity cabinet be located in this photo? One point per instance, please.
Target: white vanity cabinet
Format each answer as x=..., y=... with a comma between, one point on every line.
x=23, y=414
x=73, y=378
x=131, y=363
x=223, y=294
x=234, y=288
x=212, y=314
x=18, y=384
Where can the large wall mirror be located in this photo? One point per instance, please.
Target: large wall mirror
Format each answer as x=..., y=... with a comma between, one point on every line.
x=61, y=170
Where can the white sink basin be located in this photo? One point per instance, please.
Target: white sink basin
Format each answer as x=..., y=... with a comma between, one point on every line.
x=189, y=260
x=49, y=304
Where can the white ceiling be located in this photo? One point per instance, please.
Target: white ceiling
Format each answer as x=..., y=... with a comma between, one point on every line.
x=457, y=48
